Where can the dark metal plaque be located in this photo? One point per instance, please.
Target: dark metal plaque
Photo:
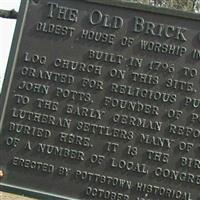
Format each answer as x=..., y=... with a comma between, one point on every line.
x=102, y=101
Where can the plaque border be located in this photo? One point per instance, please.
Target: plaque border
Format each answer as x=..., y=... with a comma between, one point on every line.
x=12, y=62
x=12, y=58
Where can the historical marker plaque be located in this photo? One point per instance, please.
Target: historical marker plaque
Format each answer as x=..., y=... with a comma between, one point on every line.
x=102, y=101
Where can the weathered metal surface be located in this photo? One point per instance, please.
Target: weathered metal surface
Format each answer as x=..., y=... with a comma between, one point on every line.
x=101, y=101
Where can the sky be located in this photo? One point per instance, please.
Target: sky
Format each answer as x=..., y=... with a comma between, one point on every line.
x=7, y=27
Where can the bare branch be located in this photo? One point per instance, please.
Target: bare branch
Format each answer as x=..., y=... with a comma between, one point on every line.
x=10, y=14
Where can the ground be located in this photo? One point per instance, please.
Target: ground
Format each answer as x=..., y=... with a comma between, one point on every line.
x=8, y=196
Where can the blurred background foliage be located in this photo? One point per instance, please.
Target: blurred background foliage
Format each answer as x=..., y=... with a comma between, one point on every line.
x=185, y=5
